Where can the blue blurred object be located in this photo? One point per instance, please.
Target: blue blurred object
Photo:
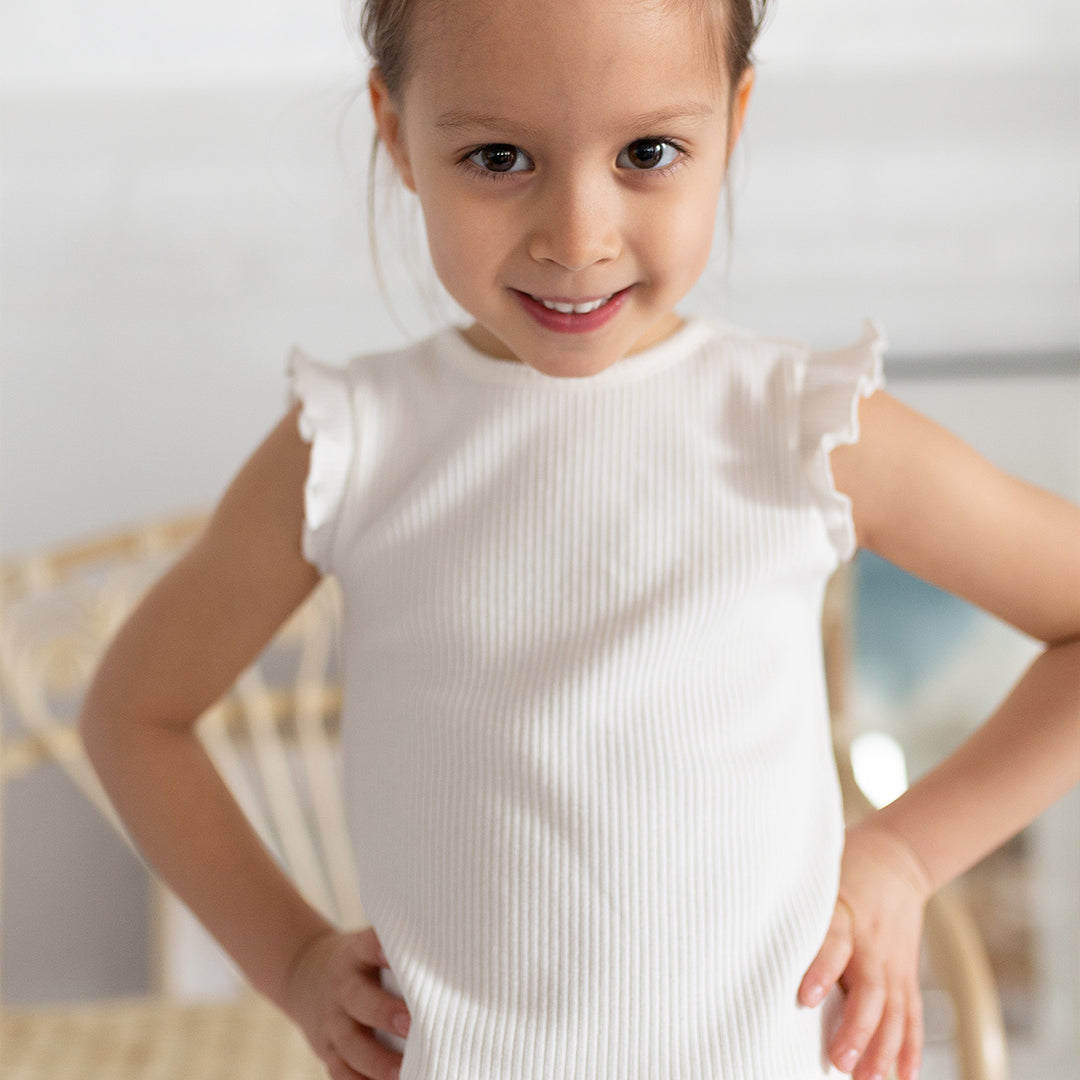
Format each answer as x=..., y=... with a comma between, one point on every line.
x=903, y=628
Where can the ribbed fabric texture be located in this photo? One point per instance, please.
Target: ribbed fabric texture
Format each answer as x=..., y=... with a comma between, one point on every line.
x=587, y=754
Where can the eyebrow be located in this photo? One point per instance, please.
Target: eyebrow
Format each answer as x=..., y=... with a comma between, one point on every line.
x=650, y=122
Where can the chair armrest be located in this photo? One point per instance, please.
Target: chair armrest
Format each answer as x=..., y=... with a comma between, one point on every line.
x=959, y=958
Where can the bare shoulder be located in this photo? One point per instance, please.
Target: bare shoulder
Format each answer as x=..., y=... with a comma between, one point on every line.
x=928, y=502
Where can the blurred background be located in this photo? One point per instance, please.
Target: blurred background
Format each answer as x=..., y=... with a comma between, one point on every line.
x=184, y=196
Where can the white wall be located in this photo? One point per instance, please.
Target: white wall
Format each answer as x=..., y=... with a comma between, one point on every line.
x=174, y=213
x=69, y=47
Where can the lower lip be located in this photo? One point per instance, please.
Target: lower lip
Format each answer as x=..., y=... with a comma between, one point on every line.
x=568, y=322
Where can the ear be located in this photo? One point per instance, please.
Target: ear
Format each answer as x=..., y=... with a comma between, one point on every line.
x=389, y=126
x=739, y=103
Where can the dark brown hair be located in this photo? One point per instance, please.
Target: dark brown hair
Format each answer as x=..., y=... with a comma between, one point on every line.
x=384, y=27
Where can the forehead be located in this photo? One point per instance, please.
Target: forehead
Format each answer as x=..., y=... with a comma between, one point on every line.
x=566, y=63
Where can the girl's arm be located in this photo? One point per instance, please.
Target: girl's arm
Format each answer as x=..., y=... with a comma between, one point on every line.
x=928, y=503
x=194, y=632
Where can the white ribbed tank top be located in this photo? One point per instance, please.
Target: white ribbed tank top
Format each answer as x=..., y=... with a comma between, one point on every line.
x=587, y=757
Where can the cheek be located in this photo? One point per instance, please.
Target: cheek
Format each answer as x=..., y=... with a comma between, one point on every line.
x=447, y=260
x=686, y=234
x=466, y=238
x=447, y=231
x=699, y=242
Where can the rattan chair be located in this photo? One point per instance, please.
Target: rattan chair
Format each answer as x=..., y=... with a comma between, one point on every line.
x=274, y=737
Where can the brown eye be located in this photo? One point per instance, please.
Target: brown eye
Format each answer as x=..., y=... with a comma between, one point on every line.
x=499, y=158
x=647, y=154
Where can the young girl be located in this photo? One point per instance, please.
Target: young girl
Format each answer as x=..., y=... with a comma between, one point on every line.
x=582, y=544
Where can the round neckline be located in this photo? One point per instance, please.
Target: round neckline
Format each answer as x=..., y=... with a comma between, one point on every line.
x=453, y=344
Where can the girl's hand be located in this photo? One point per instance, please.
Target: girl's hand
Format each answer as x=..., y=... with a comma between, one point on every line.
x=872, y=951
x=335, y=996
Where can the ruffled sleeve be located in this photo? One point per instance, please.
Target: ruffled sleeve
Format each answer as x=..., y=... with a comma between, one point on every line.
x=832, y=384
x=326, y=421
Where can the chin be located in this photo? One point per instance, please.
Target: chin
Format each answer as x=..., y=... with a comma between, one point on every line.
x=572, y=363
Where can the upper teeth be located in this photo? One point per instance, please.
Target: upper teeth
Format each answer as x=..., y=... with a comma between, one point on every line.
x=577, y=309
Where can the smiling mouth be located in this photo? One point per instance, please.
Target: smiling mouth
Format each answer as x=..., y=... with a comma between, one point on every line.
x=573, y=315
x=570, y=307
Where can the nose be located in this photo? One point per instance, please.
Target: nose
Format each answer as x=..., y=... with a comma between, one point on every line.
x=575, y=223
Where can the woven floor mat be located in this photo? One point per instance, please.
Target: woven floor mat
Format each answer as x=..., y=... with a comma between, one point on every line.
x=248, y=1040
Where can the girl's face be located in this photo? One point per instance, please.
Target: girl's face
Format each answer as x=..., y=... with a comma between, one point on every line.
x=564, y=152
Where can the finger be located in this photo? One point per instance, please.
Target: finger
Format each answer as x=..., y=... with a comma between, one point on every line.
x=360, y=1050
x=337, y=1069
x=832, y=958
x=368, y=948
x=910, y=1058
x=366, y=1002
x=862, y=1016
x=885, y=1044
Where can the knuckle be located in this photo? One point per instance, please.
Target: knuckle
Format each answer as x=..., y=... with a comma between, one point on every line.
x=913, y=1035
x=835, y=943
x=860, y=1036
x=896, y=1016
x=844, y=910
x=836, y=950
x=355, y=1006
x=839, y=928
x=884, y=1056
x=871, y=984
x=374, y=947
x=363, y=948
x=343, y=986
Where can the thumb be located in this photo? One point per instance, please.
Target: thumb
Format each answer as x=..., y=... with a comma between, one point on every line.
x=832, y=958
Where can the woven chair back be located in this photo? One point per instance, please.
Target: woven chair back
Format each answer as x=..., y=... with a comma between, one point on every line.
x=274, y=736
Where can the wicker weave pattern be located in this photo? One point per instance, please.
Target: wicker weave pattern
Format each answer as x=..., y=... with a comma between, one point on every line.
x=148, y=1040
x=273, y=737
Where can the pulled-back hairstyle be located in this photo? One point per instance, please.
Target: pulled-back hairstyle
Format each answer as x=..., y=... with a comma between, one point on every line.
x=384, y=28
